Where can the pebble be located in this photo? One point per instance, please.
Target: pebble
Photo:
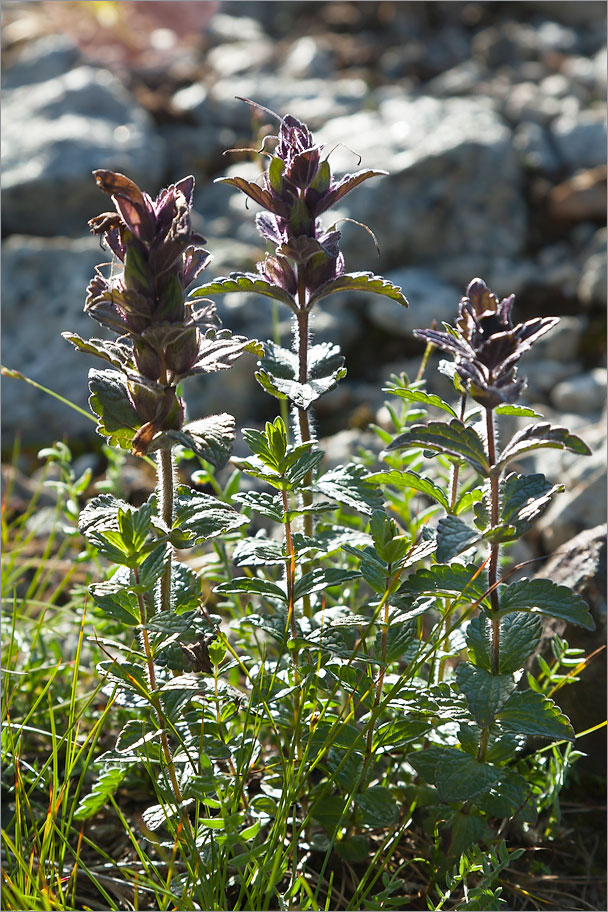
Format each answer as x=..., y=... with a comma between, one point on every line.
x=583, y=393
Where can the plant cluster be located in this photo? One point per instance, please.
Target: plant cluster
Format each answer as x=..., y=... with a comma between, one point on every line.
x=352, y=661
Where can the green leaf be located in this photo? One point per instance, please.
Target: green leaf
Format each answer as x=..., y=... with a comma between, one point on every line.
x=259, y=551
x=520, y=411
x=268, y=505
x=530, y=713
x=377, y=808
x=348, y=485
x=187, y=587
x=133, y=736
x=412, y=395
x=411, y=481
x=218, y=349
x=210, y=438
x=512, y=797
x=453, y=536
x=107, y=784
x=199, y=517
x=117, y=421
x=486, y=693
x=457, y=775
x=116, y=602
x=328, y=812
x=318, y=579
x=279, y=373
x=255, y=586
x=245, y=282
x=355, y=849
x=452, y=580
x=546, y=597
x=392, y=735
x=453, y=439
x=360, y=281
x=100, y=514
x=525, y=497
x=519, y=636
x=541, y=435
x=400, y=641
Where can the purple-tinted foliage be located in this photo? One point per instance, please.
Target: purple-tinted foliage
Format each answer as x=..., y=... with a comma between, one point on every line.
x=487, y=345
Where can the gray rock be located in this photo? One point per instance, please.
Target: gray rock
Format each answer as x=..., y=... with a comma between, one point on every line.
x=196, y=150
x=41, y=60
x=429, y=299
x=442, y=156
x=562, y=343
x=533, y=143
x=592, y=285
x=582, y=506
x=462, y=79
x=583, y=393
x=526, y=102
x=57, y=132
x=44, y=284
x=307, y=58
x=224, y=28
x=542, y=374
x=233, y=59
x=581, y=141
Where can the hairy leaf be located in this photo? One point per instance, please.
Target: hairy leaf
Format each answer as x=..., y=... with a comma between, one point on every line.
x=486, y=693
x=424, y=398
x=531, y=713
x=541, y=435
x=244, y=281
x=377, y=806
x=210, y=438
x=520, y=634
x=117, y=421
x=360, y=281
x=200, y=516
x=453, y=439
x=524, y=498
x=453, y=536
x=348, y=485
x=119, y=354
x=107, y=784
x=451, y=580
x=318, y=579
x=410, y=480
x=268, y=505
x=259, y=551
x=546, y=597
x=253, y=585
x=457, y=775
x=279, y=372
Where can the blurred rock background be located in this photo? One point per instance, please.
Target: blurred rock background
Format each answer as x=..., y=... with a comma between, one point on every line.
x=489, y=118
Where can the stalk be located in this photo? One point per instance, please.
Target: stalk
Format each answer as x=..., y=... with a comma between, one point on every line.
x=303, y=419
x=166, y=497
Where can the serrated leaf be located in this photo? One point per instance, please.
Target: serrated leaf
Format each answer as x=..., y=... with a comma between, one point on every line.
x=525, y=497
x=530, y=713
x=117, y=353
x=546, y=597
x=210, y=438
x=457, y=775
x=318, y=579
x=254, y=586
x=486, y=693
x=537, y=436
x=116, y=602
x=446, y=579
x=410, y=480
x=411, y=395
x=355, y=849
x=217, y=351
x=100, y=514
x=360, y=281
x=117, y=420
x=186, y=587
x=520, y=411
x=279, y=372
x=244, y=282
x=519, y=636
x=348, y=485
x=328, y=812
x=199, y=517
x=399, y=642
x=258, y=551
x=395, y=734
x=268, y=505
x=513, y=797
x=453, y=537
x=107, y=784
x=133, y=736
x=378, y=808
x=453, y=439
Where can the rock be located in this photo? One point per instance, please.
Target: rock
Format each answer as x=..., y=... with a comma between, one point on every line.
x=533, y=143
x=526, y=102
x=583, y=393
x=462, y=79
x=581, y=140
x=429, y=299
x=344, y=446
x=308, y=57
x=592, y=285
x=77, y=122
x=542, y=374
x=226, y=28
x=562, y=343
x=581, y=197
x=44, y=284
x=442, y=156
x=581, y=565
x=233, y=59
x=41, y=60
x=196, y=150
x=557, y=268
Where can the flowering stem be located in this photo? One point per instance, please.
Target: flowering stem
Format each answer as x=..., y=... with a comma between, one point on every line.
x=303, y=419
x=494, y=547
x=165, y=494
